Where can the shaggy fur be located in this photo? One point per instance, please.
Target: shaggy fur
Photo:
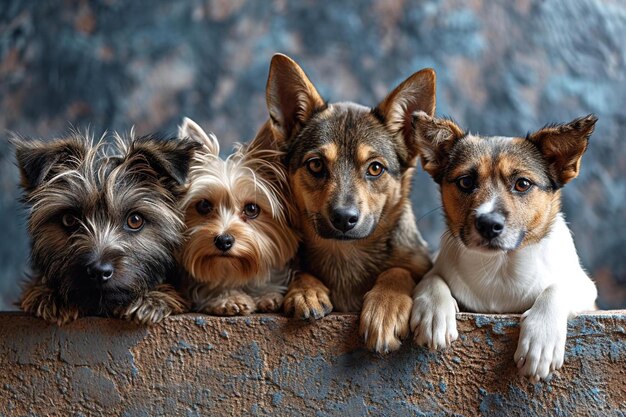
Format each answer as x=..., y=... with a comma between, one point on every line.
x=244, y=199
x=104, y=225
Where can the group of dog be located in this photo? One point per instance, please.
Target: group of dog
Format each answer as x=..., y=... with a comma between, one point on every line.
x=312, y=215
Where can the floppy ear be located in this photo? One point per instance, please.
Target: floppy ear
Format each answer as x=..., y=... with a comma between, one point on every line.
x=416, y=93
x=190, y=129
x=563, y=146
x=168, y=160
x=435, y=138
x=37, y=160
x=291, y=97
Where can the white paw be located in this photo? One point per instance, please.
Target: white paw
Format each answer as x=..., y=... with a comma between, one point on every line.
x=541, y=346
x=433, y=318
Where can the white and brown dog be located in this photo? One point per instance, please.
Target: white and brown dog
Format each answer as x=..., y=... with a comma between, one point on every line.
x=238, y=240
x=507, y=248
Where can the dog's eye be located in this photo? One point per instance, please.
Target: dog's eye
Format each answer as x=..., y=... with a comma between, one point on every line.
x=204, y=206
x=315, y=166
x=251, y=210
x=466, y=183
x=69, y=220
x=135, y=221
x=375, y=169
x=522, y=185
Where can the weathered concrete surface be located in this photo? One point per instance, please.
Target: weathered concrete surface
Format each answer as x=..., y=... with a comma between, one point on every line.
x=270, y=365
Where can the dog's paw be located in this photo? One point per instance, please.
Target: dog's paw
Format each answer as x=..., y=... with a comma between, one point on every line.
x=40, y=301
x=386, y=313
x=433, y=318
x=154, y=306
x=385, y=320
x=541, y=345
x=307, y=299
x=269, y=303
x=233, y=304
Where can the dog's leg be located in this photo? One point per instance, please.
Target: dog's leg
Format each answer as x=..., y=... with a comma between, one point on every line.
x=307, y=298
x=543, y=330
x=41, y=301
x=386, y=311
x=154, y=305
x=433, y=318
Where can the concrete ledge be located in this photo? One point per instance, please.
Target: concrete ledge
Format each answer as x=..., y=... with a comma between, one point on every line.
x=270, y=365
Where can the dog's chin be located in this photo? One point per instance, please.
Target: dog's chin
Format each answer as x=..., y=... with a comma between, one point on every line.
x=326, y=231
x=225, y=270
x=101, y=299
x=477, y=243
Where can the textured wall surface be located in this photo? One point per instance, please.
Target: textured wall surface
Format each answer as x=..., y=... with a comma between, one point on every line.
x=268, y=365
x=503, y=68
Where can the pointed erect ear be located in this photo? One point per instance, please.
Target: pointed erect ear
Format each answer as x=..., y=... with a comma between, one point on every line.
x=416, y=93
x=291, y=97
x=435, y=138
x=38, y=160
x=190, y=129
x=168, y=160
x=563, y=146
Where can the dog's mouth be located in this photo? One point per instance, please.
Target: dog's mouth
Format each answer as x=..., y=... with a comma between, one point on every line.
x=325, y=230
x=506, y=243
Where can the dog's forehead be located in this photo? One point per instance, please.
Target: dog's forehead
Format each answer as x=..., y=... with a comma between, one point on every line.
x=488, y=149
x=490, y=155
x=346, y=130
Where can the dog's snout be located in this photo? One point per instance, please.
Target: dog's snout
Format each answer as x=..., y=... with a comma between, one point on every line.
x=100, y=271
x=224, y=242
x=490, y=225
x=344, y=218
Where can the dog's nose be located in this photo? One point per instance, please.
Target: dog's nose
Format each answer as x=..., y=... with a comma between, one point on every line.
x=224, y=242
x=100, y=271
x=344, y=218
x=490, y=225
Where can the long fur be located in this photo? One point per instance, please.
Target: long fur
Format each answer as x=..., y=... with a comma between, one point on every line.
x=239, y=280
x=100, y=184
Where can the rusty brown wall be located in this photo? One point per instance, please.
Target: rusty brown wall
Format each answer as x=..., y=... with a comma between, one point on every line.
x=269, y=365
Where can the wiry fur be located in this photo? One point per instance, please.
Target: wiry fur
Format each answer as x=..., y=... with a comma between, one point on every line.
x=372, y=266
x=530, y=266
x=252, y=275
x=100, y=185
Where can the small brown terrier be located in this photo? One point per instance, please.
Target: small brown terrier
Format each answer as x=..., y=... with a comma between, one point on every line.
x=350, y=171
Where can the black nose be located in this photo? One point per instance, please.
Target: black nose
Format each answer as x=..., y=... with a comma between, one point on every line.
x=490, y=225
x=100, y=271
x=344, y=218
x=224, y=242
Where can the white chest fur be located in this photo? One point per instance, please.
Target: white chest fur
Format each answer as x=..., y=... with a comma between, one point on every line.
x=510, y=282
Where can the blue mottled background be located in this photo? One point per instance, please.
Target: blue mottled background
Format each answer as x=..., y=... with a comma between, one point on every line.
x=503, y=68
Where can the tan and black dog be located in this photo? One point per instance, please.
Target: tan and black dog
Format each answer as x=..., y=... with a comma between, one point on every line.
x=350, y=171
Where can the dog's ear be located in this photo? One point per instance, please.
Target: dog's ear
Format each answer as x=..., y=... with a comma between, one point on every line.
x=291, y=97
x=563, y=146
x=190, y=129
x=39, y=160
x=416, y=93
x=435, y=138
x=167, y=160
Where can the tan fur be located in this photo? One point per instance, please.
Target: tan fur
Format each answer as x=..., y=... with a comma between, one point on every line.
x=560, y=150
x=251, y=274
x=307, y=298
x=375, y=268
x=386, y=310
